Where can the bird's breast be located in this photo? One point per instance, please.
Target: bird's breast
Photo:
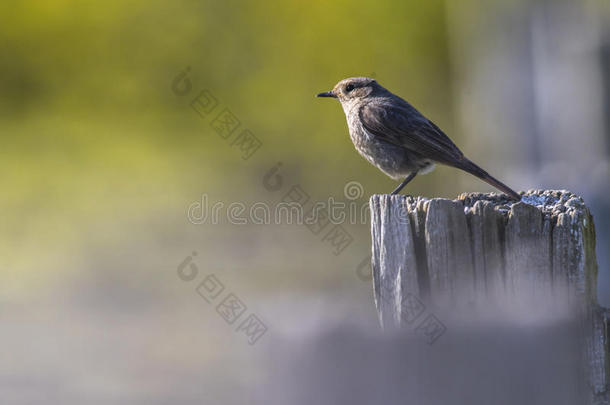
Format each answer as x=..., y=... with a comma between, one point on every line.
x=393, y=160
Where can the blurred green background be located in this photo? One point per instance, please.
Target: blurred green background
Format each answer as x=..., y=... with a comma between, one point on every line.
x=95, y=142
x=100, y=159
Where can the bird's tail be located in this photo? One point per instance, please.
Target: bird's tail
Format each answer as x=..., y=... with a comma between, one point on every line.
x=475, y=170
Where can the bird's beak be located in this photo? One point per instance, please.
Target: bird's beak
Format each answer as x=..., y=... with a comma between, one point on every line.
x=327, y=94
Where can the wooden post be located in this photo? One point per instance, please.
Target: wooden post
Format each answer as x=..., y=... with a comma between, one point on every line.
x=483, y=249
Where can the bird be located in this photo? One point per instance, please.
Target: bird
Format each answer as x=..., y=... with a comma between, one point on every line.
x=396, y=138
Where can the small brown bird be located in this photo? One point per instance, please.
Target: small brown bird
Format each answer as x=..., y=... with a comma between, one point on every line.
x=392, y=135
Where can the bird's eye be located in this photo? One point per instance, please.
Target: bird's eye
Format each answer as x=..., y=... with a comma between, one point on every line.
x=349, y=87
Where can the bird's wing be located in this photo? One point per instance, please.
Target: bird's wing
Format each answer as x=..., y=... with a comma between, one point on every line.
x=404, y=126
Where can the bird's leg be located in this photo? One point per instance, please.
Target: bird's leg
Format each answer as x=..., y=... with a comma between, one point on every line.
x=404, y=182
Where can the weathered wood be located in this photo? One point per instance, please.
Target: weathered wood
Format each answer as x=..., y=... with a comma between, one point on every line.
x=483, y=249
x=449, y=254
x=396, y=276
x=484, y=223
x=527, y=252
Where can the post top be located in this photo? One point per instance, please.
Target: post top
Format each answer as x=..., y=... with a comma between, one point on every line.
x=550, y=202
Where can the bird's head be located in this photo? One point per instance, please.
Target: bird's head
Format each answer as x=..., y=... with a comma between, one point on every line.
x=353, y=89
